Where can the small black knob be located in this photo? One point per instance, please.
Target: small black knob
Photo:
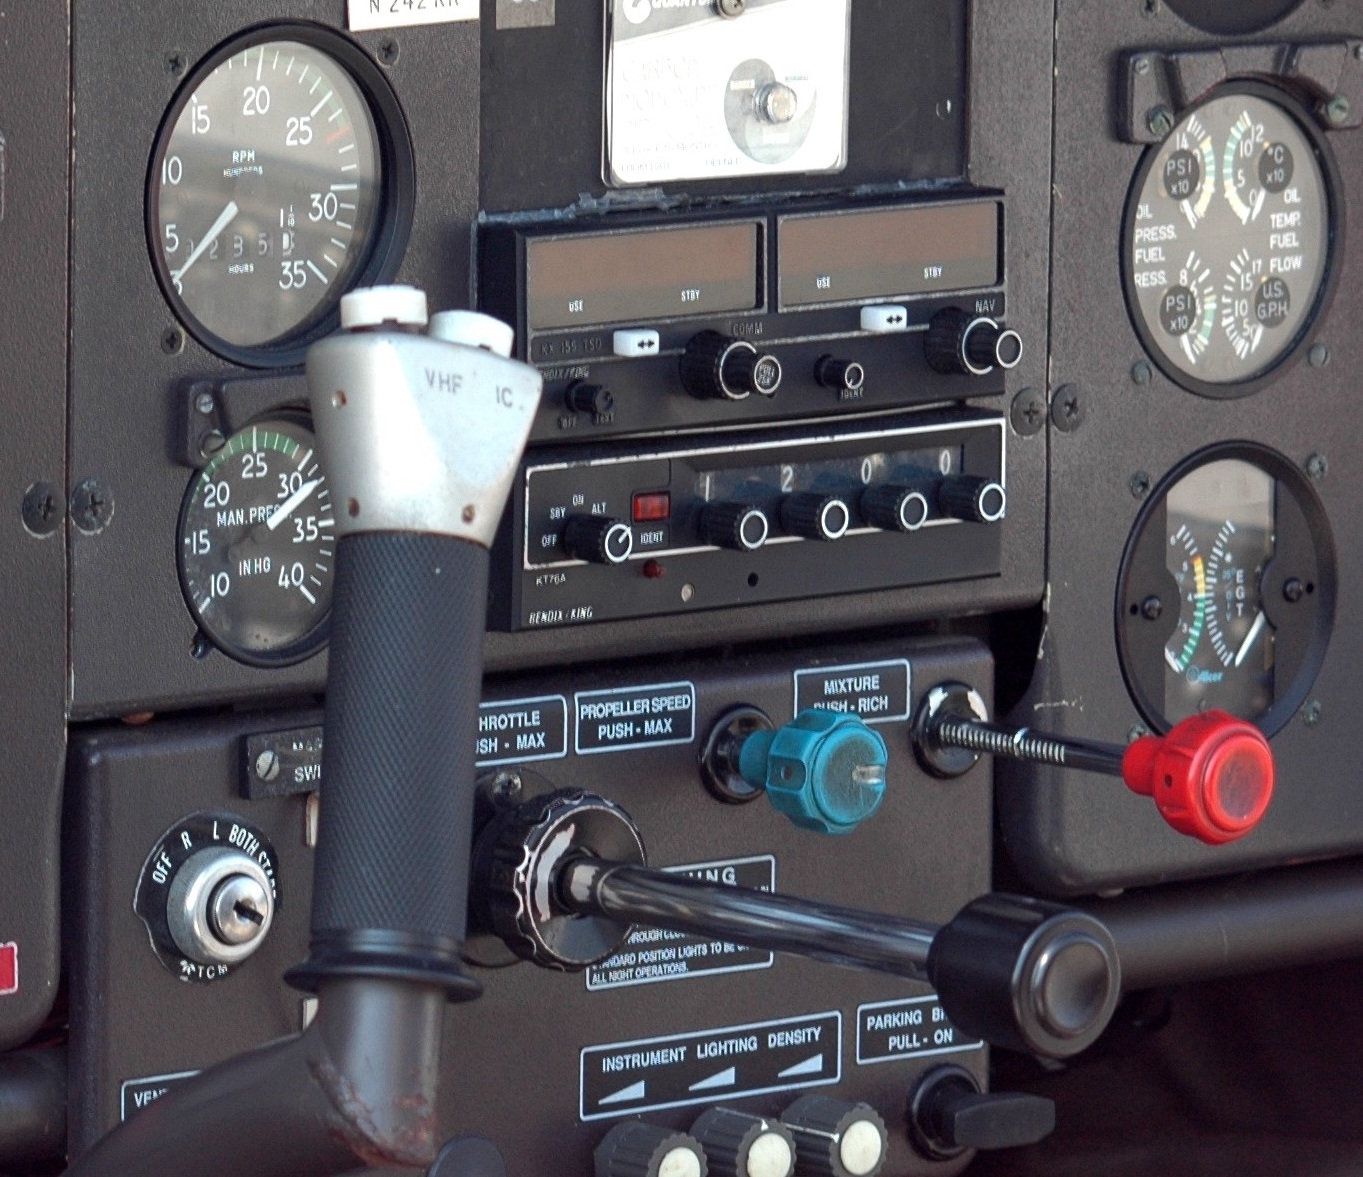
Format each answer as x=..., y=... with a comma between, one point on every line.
x=840, y=375
x=815, y=516
x=739, y=526
x=962, y=344
x=949, y=1114
x=976, y=500
x=894, y=506
x=582, y=397
x=637, y=1149
x=714, y=366
x=835, y=1138
x=598, y=538
x=741, y=1145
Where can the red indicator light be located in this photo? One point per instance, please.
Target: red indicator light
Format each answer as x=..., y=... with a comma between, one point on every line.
x=653, y=570
x=9, y=968
x=653, y=507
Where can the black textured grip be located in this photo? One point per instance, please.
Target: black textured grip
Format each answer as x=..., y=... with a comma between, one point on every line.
x=401, y=723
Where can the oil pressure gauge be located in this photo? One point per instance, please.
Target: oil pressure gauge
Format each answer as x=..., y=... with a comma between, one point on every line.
x=1229, y=239
x=1226, y=594
x=281, y=178
x=257, y=545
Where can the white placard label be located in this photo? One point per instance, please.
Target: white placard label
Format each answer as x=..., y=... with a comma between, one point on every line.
x=396, y=14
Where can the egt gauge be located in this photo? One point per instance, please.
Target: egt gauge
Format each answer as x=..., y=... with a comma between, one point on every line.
x=1226, y=593
x=1229, y=240
x=281, y=178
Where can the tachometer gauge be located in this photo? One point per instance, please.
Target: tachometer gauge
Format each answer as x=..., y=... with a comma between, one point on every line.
x=280, y=179
x=1226, y=593
x=257, y=545
x=1228, y=241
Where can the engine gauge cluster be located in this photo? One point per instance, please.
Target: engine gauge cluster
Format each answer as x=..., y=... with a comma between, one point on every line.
x=1227, y=246
x=1226, y=594
x=281, y=178
x=257, y=545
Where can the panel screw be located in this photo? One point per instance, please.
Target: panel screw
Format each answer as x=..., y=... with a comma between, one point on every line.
x=172, y=341
x=388, y=51
x=1135, y=732
x=267, y=765
x=1068, y=408
x=92, y=506
x=1141, y=373
x=1159, y=121
x=507, y=788
x=1152, y=608
x=203, y=403
x=1028, y=412
x=1337, y=111
x=41, y=509
x=1293, y=591
x=211, y=443
x=1317, y=467
x=175, y=63
x=1142, y=65
x=1358, y=51
x=1139, y=484
x=1151, y=7
x=1318, y=356
x=1310, y=714
x=731, y=7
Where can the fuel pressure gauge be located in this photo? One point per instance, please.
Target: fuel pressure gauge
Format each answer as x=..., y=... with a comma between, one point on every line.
x=281, y=179
x=1226, y=593
x=257, y=545
x=1228, y=241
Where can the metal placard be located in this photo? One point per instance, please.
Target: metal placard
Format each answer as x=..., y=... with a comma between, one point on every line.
x=693, y=95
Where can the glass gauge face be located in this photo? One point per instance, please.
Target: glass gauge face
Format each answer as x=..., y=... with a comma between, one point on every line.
x=1227, y=242
x=1220, y=524
x=257, y=545
x=1226, y=593
x=264, y=194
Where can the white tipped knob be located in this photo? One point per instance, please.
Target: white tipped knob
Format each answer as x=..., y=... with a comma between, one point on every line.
x=473, y=330
x=373, y=306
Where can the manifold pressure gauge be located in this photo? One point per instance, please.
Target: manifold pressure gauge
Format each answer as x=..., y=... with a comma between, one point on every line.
x=1229, y=237
x=1226, y=594
x=257, y=545
x=281, y=178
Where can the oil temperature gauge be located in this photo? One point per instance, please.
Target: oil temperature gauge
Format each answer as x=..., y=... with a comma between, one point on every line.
x=257, y=544
x=1226, y=594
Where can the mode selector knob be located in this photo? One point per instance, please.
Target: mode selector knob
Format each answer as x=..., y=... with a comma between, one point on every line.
x=961, y=344
x=219, y=906
x=739, y=526
x=815, y=516
x=582, y=397
x=637, y=1149
x=716, y=366
x=598, y=539
x=976, y=500
x=835, y=1138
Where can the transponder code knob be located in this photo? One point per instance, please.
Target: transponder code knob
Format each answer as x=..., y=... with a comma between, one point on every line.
x=975, y=500
x=815, y=516
x=893, y=507
x=598, y=539
x=715, y=366
x=739, y=526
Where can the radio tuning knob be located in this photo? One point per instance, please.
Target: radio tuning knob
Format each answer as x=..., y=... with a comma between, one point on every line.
x=739, y=526
x=975, y=500
x=815, y=516
x=840, y=375
x=892, y=507
x=595, y=399
x=715, y=366
x=598, y=539
x=961, y=344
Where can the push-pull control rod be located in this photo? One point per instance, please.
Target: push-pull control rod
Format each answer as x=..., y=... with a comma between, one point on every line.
x=562, y=879
x=1211, y=776
x=422, y=433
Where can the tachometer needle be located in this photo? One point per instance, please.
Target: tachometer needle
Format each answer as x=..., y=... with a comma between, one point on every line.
x=224, y=219
x=292, y=503
x=1250, y=638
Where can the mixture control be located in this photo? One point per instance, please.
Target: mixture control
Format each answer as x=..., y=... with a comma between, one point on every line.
x=835, y=1138
x=715, y=366
x=220, y=906
x=598, y=539
x=813, y=515
x=739, y=526
x=961, y=344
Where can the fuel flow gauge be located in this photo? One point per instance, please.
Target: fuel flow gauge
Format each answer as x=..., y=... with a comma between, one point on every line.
x=1226, y=593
